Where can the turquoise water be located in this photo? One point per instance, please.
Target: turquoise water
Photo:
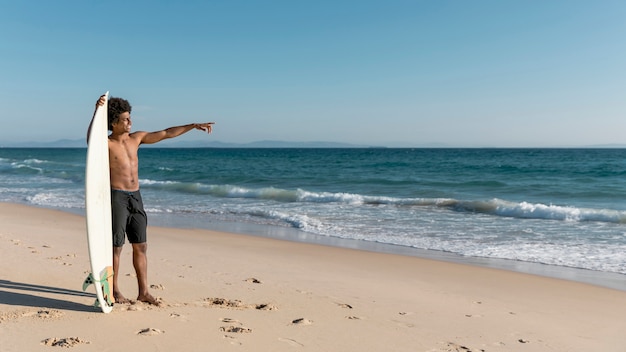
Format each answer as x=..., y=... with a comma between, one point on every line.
x=562, y=207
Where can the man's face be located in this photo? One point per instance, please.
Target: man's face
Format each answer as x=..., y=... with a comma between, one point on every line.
x=123, y=123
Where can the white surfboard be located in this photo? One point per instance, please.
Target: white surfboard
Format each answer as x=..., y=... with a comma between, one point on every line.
x=98, y=210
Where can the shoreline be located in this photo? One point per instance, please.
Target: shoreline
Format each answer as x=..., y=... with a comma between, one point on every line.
x=249, y=293
x=599, y=278
x=179, y=221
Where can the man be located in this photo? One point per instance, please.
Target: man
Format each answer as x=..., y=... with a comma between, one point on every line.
x=129, y=217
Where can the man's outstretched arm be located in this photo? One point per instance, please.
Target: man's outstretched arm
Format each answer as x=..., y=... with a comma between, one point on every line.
x=154, y=137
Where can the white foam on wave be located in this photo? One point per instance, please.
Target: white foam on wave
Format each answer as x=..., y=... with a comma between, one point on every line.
x=555, y=212
x=533, y=242
x=609, y=258
x=27, y=166
x=34, y=161
x=467, y=228
x=494, y=207
x=57, y=199
x=328, y=197
x=225, y=191
x=298, y=221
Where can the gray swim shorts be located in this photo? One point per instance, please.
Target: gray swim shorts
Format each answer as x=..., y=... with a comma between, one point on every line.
x=129, y=217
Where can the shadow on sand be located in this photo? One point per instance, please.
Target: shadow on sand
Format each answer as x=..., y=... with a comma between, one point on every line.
x=23, y=294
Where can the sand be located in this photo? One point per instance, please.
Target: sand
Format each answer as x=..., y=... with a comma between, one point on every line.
x=233, y=292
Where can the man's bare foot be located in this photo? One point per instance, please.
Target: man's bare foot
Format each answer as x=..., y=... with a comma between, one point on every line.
x=120, y=299
x=148, y=298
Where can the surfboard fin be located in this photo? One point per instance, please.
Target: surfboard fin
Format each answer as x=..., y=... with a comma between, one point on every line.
x=88, y=281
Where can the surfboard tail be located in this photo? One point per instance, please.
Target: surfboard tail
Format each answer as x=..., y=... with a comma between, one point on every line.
x=105, y=283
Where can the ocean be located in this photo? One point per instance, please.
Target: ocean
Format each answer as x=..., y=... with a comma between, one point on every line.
x=544, y=211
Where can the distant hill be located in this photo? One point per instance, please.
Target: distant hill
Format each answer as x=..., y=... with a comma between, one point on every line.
x=259, y=144
x=62, y=143
x=80, y=143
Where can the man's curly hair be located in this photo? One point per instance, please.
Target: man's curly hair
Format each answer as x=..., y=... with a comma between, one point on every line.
x=117, y=106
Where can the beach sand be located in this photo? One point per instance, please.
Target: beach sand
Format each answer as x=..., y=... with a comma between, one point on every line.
x=232, y=292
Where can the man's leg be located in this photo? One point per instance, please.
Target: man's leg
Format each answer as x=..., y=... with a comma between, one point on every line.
x=140, y=262
x=117, y=294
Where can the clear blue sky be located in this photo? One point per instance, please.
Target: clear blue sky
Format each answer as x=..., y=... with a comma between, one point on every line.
x=462, y=73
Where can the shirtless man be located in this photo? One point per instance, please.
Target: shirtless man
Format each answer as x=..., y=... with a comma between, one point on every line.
x=129, y=217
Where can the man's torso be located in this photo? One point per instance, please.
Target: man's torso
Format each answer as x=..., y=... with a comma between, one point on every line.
x=124, y=163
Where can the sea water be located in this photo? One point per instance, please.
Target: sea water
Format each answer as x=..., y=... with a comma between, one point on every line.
x=558, y=207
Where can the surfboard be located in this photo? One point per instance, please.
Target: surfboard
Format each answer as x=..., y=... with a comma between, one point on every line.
x=98, y=210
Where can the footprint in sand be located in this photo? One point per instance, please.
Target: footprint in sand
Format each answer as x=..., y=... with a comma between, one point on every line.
x=43, y=314
x=225, y=303
x=236, y=329
x=236, y=304
x=38, y=314
x=232, y=328
x=229, y=320
x=240, y=329
x=64, y=342
x=301, y=321
x=347, y=306
x=265, y=306
x=150, y=332
x=157, y=287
